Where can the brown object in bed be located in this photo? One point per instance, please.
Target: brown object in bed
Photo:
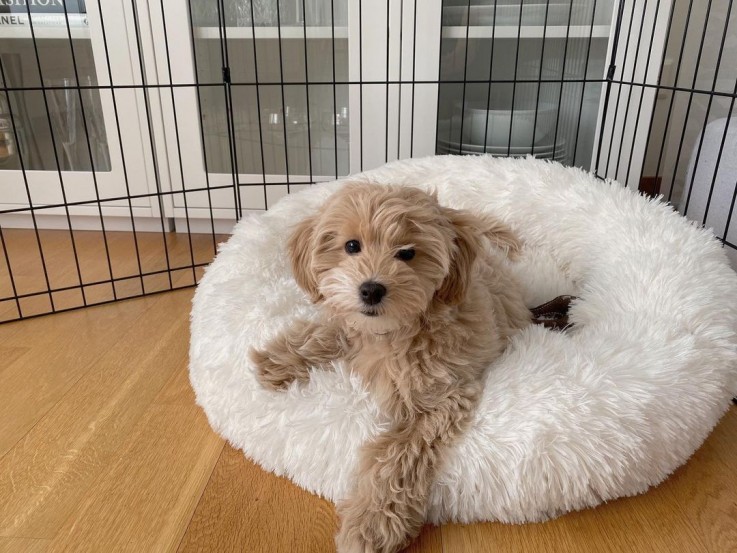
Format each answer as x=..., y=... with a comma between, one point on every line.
x=553, y=314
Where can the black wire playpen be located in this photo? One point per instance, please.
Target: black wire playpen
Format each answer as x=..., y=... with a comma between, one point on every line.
x=134, y=134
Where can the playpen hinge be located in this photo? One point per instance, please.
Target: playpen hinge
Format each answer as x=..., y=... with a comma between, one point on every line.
x=610, y=72
x=226, y=75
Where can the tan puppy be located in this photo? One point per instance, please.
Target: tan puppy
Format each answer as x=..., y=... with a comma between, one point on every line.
x=417, y=304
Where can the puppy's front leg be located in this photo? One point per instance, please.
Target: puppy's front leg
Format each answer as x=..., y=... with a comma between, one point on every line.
x=395, y=475
x=290, y=355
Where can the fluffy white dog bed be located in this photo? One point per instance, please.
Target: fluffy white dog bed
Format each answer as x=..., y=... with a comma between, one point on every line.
x=567, y=420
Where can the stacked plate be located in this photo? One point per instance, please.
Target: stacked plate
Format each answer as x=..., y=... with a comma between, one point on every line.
x=543, y=151
x=503, y=132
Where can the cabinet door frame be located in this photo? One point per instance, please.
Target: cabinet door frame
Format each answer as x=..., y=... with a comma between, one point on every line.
x=183, y=136
x=398, y=101
x=620, y=141
x=177, y=128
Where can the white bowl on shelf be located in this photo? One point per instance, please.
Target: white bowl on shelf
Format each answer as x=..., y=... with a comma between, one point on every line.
x=493, y=126
x=558, y=153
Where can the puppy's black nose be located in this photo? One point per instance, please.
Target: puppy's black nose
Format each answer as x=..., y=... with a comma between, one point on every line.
x=372, y=292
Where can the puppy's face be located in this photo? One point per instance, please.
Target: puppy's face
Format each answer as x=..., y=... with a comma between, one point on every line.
x=377, y=257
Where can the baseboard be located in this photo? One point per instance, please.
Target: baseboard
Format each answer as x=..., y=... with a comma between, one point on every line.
x=117, y=224
x=83, y=222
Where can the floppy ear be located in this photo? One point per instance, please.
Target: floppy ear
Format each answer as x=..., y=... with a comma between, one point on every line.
x=500, y=235
x=467, y=242
x=469, y=230
x=300, y=252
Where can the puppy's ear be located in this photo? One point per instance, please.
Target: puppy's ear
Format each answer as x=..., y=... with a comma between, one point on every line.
x=469, y=230
x=467, y=241
x=300, y=252
x=501, y=236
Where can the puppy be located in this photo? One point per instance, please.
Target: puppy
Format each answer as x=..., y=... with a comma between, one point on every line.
x=417, y=303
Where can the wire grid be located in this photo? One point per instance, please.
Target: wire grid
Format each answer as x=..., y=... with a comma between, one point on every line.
x=695, y=89
x=158, y=259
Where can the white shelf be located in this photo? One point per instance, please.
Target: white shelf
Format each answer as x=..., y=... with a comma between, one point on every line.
x=528, y=31
x=292, y=32
x=45, y=26
x=43, y=33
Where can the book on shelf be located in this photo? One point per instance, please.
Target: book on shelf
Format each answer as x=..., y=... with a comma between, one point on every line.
x=43, y=13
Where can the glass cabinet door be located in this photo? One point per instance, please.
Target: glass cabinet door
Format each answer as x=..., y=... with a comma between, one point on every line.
x=542, y=78
x=61, y=125
x=545, y=59
x=290, y=92
x=282, y=121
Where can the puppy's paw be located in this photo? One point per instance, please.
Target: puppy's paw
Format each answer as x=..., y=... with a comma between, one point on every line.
x=272, y=374
x=365, y=530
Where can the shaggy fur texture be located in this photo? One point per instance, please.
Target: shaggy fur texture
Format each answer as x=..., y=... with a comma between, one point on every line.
x=566, y=420
x=421, y=349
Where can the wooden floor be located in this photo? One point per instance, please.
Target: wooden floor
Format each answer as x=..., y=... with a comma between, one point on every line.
x=103, y=449
x=87, y=267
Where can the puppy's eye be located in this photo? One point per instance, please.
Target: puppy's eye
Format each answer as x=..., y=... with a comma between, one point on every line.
x=406, y=255
x=352, y=246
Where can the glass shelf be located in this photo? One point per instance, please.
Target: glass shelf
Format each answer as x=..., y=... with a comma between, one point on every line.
x=513, y=13
x=44, y=33
x=528, y=31
x=291, y=32
x=240, y=14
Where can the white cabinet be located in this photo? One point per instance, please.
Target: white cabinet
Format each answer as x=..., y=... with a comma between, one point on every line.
x=544, y=61
x=245, y=106
x=307, y=99
x=526, y=77
x=343, y=86
x=62, y=125
x=284, y=119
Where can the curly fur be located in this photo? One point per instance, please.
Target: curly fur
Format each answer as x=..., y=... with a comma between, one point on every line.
x=447, y=313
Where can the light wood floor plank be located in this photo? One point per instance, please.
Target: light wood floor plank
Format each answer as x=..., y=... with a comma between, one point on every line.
x=706, y=487
x=722, y=443
x=62, y=349
x=23, y=545
x=8, y=356
x=92, y=257
x=146, y=498
x=44, y=477
x=624, y=528
x=178, y=390
x=430, y=540
x=246, y=509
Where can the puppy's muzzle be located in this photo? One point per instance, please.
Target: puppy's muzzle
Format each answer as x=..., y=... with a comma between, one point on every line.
x=371, y=292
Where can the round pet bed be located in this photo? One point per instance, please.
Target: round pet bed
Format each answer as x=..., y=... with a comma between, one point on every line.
x=568, y=419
